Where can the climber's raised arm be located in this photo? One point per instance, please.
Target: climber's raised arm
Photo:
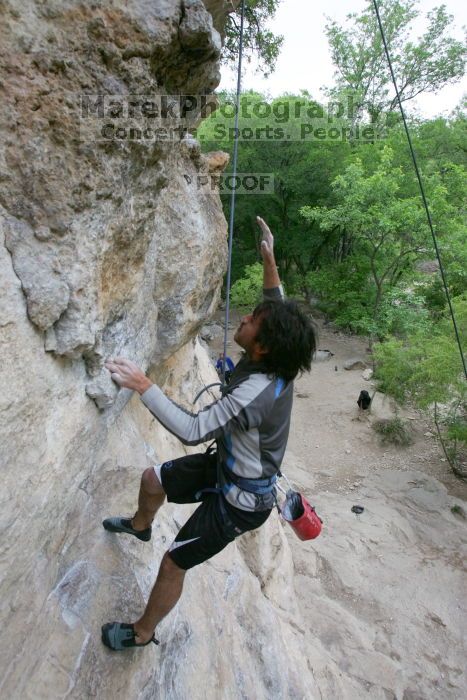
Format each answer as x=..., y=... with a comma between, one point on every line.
x=272, y=287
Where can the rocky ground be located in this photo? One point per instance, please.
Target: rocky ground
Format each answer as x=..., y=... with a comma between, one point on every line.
x=381, y=595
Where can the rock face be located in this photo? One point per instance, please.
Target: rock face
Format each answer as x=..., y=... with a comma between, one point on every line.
x=100, y=230
x=107, y=248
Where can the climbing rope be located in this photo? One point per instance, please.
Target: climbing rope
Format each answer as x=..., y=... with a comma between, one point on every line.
x=232, y=209
x=422, y=189
x=232, y=200
x=205, y=388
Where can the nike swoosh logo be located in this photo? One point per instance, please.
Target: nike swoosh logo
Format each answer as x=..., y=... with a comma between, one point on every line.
x=176, y=544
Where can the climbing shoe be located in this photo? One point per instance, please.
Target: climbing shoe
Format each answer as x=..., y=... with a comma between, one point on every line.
x=121, y=635
x=119, y=524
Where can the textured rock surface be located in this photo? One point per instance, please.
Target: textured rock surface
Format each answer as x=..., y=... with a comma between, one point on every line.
x=108, y=249
x=99, y=231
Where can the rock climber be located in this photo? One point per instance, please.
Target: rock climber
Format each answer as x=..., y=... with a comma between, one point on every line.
x=234, y=484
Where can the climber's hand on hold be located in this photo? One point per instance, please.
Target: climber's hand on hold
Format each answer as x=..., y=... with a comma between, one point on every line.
x=127, y=374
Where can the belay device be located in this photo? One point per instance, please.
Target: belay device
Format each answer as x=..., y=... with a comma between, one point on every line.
x=300, y=515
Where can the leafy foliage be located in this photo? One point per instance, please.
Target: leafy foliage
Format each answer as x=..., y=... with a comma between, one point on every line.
x=302, y=173
x=425, y=367
x=356, y=184
x=393, y=431
x=258, y=41
x=386, y=233
x=435, y=59
x=247, y=290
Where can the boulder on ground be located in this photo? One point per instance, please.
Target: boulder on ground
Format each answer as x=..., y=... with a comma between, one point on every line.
x=355, y=363
x=383, y=407
x=322, y=355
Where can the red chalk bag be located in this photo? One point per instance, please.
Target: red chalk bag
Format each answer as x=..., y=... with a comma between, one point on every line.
x=308, y=525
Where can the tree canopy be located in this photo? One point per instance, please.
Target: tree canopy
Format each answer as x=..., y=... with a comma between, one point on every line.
x=425, y=64
x=258, y=41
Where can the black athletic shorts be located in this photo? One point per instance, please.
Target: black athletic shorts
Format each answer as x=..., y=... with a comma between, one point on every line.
x=215, y=523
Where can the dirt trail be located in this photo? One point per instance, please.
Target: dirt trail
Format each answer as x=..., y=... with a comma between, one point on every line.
x=331, y=436
x=381, y=595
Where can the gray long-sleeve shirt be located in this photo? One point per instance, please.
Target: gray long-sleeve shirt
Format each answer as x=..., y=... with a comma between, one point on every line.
x=250, y=424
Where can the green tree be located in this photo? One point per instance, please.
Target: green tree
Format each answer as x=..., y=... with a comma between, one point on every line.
x=302, y=172
x=247, y=290
x=440, y=147
x=258, y=41
x=333, y=260
x=384, y=233
x=425, y=65
x=425, y=369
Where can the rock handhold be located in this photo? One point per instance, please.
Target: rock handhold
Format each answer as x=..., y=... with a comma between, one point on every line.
x=190, y=147
x=216, y=161
x=38, y=267
x=210, y=331
x=367, y=374
x=322, y=355
x=102, y=390
x=196, y=31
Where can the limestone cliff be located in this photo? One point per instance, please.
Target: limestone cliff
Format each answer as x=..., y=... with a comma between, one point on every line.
x=102, y=232
x=107, y=248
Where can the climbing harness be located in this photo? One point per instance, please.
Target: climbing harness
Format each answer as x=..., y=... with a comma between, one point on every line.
x=259, y=487
x=295, y=510
x=422, y=189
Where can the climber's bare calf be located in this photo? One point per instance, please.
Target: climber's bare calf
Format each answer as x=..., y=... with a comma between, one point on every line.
x=169, y=583
x=150, y=498
x=164, y=596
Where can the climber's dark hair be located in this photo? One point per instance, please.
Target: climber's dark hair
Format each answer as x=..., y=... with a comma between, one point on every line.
x=288, y=335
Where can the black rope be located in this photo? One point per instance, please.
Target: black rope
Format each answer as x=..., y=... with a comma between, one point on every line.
x=232, y=200
x=205, y=388
x=422, y=189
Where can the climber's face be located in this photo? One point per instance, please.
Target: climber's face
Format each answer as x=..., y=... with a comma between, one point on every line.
x=246, y=335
